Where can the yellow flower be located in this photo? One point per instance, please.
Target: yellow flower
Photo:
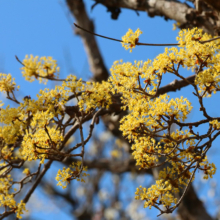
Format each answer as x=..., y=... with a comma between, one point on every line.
x=39, y=68
x=130, y=39
x=68, y=174
x=7, y=83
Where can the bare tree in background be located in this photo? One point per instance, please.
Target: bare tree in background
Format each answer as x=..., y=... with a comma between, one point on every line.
x=206, y=15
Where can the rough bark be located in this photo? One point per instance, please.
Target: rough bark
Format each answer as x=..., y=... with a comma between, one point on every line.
x=186, y=16
x=215, y=4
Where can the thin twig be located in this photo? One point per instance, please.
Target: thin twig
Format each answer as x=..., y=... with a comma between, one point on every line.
x=140, y=44
x=114, y=39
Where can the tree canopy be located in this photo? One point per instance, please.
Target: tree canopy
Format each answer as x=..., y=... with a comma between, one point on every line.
x=162, y=141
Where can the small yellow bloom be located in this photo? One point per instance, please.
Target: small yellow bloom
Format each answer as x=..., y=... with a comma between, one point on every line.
x=130, y=39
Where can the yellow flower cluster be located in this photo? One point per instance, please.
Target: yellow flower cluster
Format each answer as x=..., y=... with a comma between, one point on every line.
x=95, y=95
x=151, y=117
x=131, y=39
x=215, y=124
x=26, y=171
x=12, y=125
x=209, y=169
x=20, y=209
x=38, y=145
x=7, y=198
x=29, y=120
x=39, y=68
x=7, y=83
x=89, y=95
x=31, y=130
x=73, y=85
x=161, y=191
x=75, y=171
x=203, y=56
x=37, y=129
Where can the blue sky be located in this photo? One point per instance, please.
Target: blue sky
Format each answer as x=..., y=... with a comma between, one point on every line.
x=45, y=28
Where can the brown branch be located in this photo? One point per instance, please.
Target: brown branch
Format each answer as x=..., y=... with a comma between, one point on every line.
x=139, y=43
x=34, y=186
x=175, y=85
x=214, y=4
x=117, y=167
x=114, y=39
x=186, y=16
x=96, y=62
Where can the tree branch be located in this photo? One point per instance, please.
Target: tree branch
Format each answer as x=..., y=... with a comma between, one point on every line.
x=46, y=167
x=186, y=16
x=96, y=62
x=213, y=3
x=113, y=166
